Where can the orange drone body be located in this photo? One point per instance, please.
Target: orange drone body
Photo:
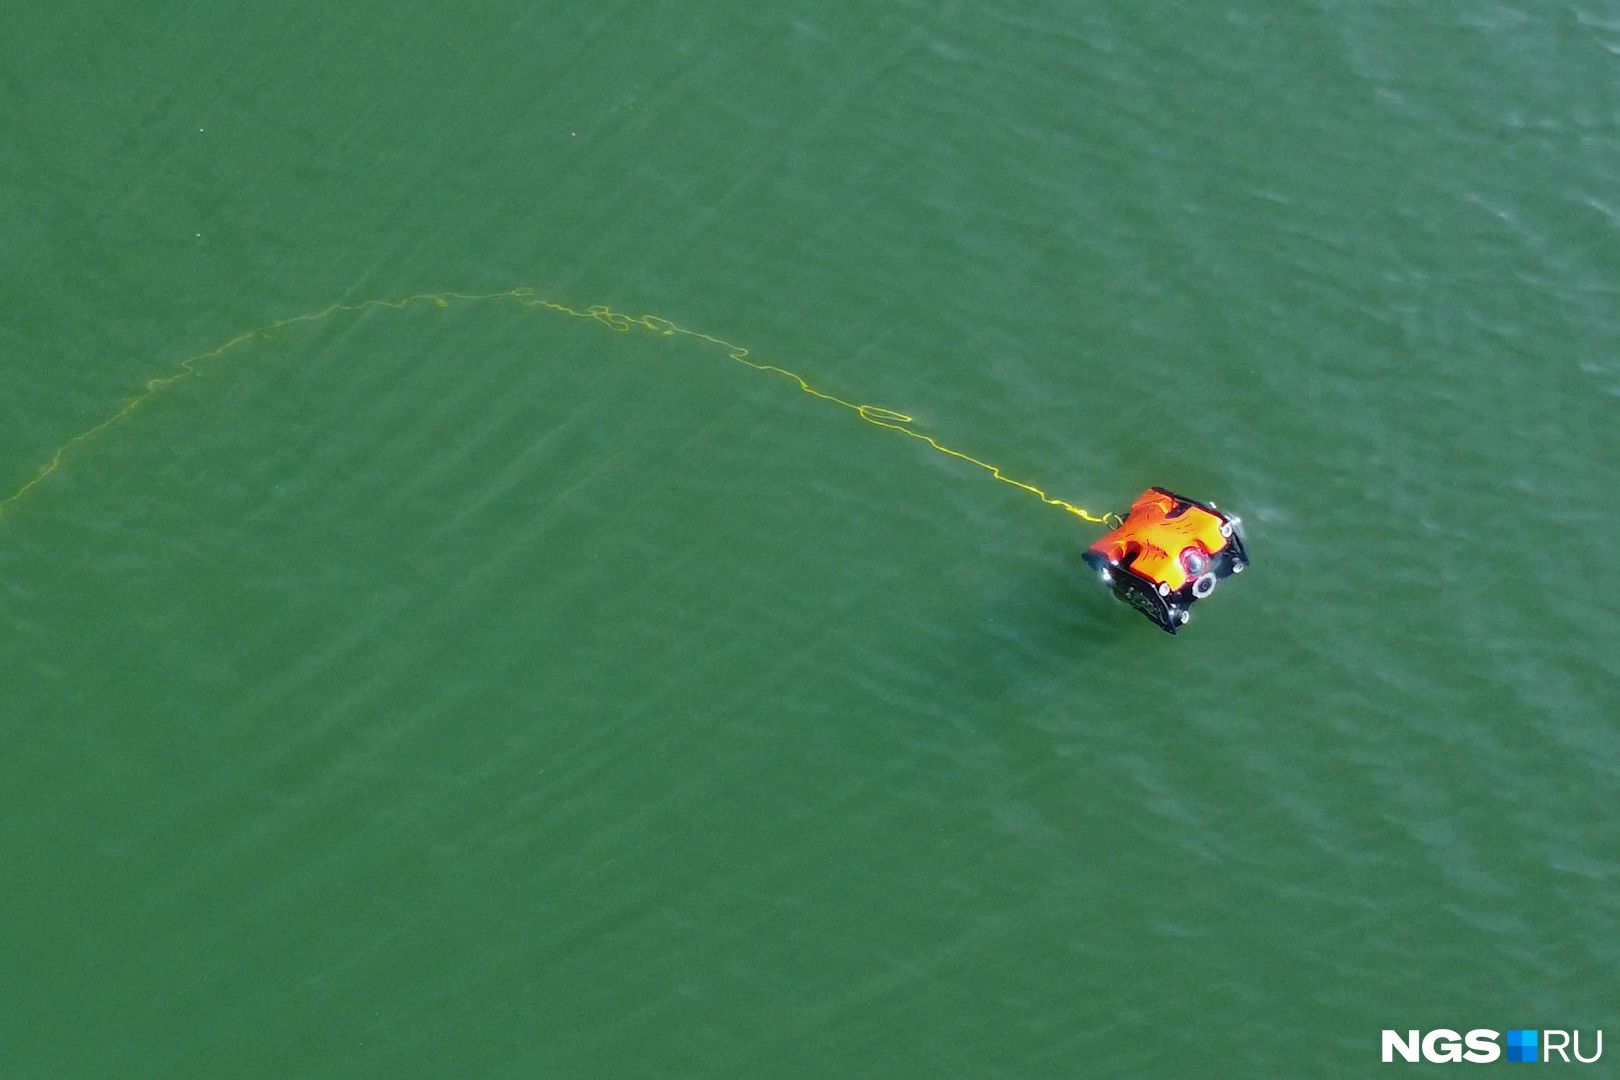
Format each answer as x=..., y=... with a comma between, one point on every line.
x=1167, y=553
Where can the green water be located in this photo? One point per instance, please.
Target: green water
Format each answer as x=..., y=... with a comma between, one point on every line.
x=476, y=692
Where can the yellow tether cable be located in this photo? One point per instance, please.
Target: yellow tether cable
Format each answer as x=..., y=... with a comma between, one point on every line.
x=872, y=414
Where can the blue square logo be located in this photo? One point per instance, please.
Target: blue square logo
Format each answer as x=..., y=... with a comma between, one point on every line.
x=1521, y=1045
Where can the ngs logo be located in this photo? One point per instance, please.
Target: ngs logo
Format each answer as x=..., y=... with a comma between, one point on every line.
x=1443, y=1044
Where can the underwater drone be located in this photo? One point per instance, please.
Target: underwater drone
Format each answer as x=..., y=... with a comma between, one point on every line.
x=1168, y=553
